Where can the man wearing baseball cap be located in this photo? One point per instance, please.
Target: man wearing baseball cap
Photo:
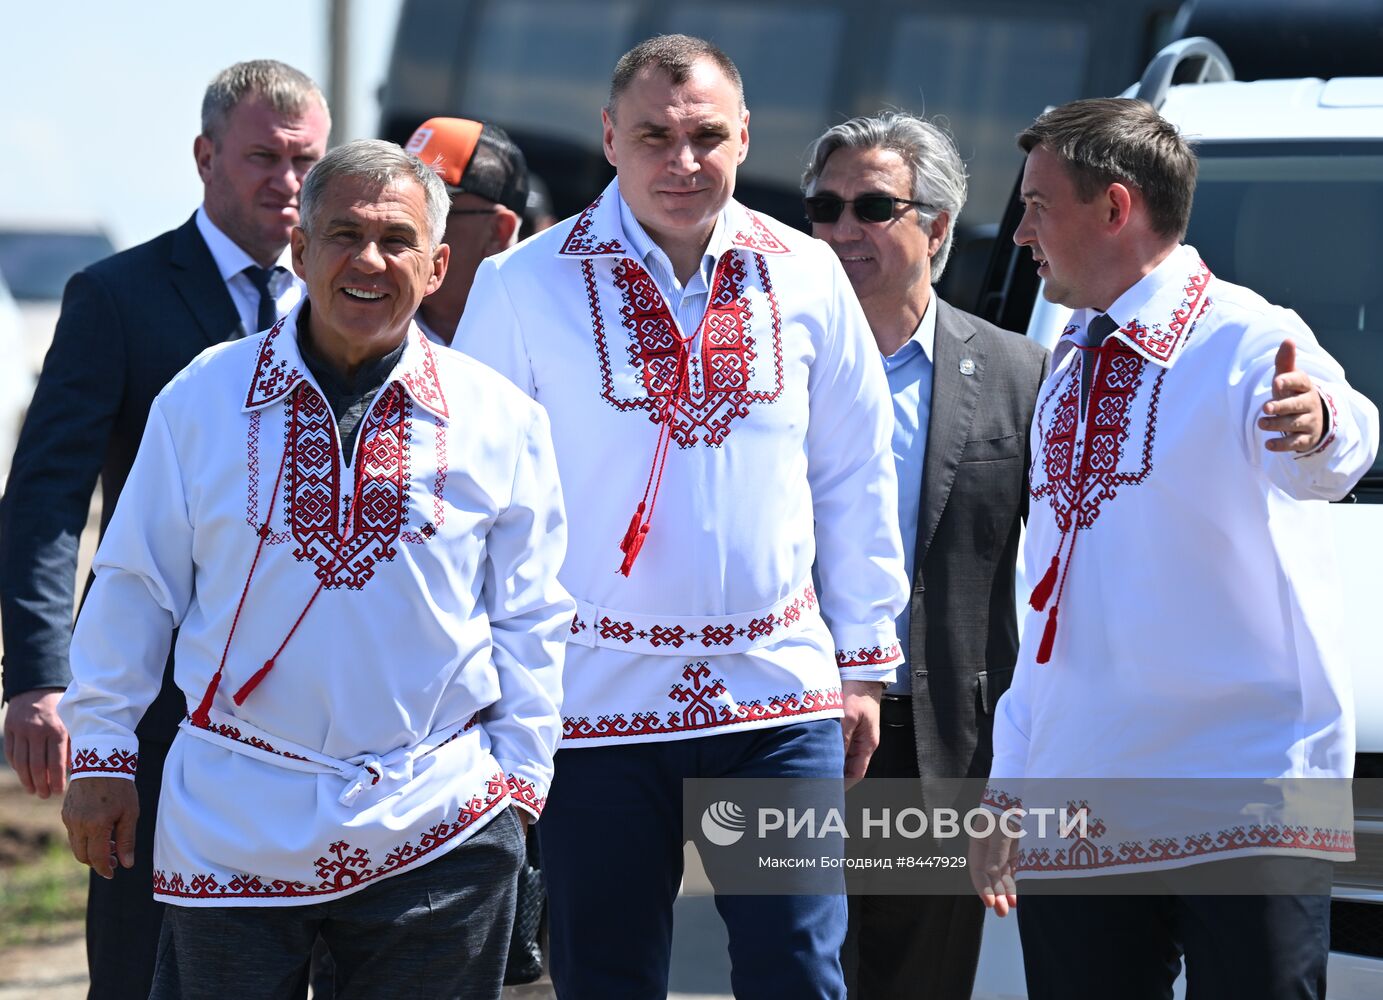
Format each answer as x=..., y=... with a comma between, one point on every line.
x=487, y=179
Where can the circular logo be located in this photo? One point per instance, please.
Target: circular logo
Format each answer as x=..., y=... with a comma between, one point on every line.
x=723, y=823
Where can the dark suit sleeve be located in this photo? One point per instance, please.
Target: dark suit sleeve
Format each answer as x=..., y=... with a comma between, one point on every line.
x=1042, y=373
x=54, y=472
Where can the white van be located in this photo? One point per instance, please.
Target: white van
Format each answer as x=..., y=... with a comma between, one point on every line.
x=1289, y=203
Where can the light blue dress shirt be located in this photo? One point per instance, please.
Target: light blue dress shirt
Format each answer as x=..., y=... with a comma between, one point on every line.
x=909, y=372
x=688, y=303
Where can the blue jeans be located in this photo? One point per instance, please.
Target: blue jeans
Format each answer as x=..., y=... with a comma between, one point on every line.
x=611, y=841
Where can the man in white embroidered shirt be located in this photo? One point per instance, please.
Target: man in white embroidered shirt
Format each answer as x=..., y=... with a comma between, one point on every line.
x=1183, y=623
x=370, y=628
x=721, y=421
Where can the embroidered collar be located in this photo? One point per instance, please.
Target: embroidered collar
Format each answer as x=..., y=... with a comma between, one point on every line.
x=597, y=232
x=1155, y=315
x=279, y=367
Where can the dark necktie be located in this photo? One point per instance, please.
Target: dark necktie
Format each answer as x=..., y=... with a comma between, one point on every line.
x=268, y=307
x=1100, y=327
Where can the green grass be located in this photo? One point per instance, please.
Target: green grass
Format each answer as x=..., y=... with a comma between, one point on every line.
x=43, y=899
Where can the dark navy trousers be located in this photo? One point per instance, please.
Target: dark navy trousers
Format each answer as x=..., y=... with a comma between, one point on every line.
x=611, y=838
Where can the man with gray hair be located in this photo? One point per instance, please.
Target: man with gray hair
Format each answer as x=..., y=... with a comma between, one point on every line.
x=369, y=629
x=128, y=325
x=885, y=192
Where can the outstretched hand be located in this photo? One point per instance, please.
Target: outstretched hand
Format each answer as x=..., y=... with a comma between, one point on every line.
x=1296, y=411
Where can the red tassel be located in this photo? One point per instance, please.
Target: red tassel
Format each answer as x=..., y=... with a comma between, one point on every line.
x=628, y=539
x=253, y=682
x=1044, y=651
x=202, y=717
x=632, y=552
x=1042, y=593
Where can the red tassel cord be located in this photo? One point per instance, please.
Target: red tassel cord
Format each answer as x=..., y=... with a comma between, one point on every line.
x=202, y=716
x=1042, y=593
x=1044, y=651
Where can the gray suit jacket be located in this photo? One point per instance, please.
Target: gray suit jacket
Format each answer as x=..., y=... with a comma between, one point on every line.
x=963, y=634
x=128, y=325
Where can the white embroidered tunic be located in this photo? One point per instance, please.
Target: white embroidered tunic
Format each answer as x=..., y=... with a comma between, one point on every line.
x=746, y=448
x=371, y=651
x=1189, y=614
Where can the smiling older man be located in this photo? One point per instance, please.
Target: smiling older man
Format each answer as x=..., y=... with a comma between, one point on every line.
x=369, y=629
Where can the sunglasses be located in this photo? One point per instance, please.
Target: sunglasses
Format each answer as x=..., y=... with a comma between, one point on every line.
x=827, y=208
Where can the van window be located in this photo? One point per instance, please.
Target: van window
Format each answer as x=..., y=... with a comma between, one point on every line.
x=787, y=56
x=990, y=77
x=545, y=67
x=1303, y=227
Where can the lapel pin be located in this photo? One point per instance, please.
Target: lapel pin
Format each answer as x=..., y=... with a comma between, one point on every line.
x=967, y=367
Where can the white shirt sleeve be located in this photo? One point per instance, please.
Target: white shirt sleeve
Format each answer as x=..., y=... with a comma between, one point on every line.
x=1350, y=444
x=490, y=332
x=142, y=591
x=530, y=619
x=859, y=551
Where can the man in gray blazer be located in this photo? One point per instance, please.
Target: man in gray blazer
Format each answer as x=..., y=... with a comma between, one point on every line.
x=885, y=193
x=129, y=324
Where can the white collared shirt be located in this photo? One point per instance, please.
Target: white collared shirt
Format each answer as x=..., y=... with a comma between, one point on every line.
x=231, y=261
x=1196, y=588
x=408, y=604
x=773, y=420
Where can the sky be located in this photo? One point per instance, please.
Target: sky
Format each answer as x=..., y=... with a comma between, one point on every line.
x=102, y=100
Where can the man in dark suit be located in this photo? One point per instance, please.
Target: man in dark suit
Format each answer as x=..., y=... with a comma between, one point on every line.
x=129, y=324
x=885, y=193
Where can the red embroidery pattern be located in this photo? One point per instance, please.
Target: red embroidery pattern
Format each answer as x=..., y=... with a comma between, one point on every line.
x=423, y=383
x=115, y=762
x=1334, y=423
x=710, y=635
x=579, y=242
x=702, y=710
x=271, y=378
x=759, y=238
x=233, y=733
x=873, y=656
x=526, y=793
x=1081, y=491
x=340, y=867
x=998, y=799
x=697, y=395
x=1159, y=343
x=1084, y=855
x=439, y=486
x=312, y=492
x=252, y=515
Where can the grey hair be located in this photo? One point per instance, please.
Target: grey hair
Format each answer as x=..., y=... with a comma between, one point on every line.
x=376, y=162
x=287, y=90
x=938, y=175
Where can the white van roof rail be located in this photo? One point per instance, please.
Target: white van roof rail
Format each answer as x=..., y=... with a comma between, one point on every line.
x=1188, y=60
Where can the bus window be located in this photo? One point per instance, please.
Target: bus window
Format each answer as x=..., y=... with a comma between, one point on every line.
x=787, y=56
x=989, y=76
x=545, y=67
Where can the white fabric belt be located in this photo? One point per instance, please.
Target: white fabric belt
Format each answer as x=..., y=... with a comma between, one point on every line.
x=360, y=772
x=671, y=635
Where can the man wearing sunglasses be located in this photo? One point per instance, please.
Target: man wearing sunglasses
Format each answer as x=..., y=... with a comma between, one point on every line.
x=885, y=193
x=721, y=424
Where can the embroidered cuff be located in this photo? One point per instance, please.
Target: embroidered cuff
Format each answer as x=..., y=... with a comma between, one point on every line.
x=109, y=758
x=525, y=795
x=1332, y=421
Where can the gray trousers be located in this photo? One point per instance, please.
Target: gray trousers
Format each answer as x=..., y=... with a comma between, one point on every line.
x=441, y=930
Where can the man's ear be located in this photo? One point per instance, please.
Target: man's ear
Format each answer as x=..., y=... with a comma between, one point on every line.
x=607, y=132
x=202, y=148
x=936, y=232
x=297, y=239
x=503, y=228
x=440, y=256
x=1119, y=201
